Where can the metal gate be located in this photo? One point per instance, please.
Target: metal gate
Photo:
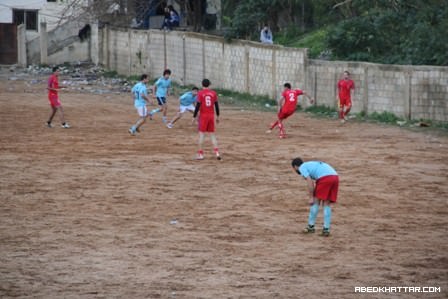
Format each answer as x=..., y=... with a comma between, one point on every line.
x=8, y=43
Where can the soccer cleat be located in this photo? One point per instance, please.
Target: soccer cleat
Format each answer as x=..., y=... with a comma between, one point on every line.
x=137, y=130
x=49, y=125
x=345, y=118
x=218, y=156
x=283, y=136
x=169, y=125
x=65, y=125
x=309, y=229
x=164, y=120
x=131, y=131
x=200, y=157
x=269, y=131
x=325, y=232
x=342, y=121
x=150, y=114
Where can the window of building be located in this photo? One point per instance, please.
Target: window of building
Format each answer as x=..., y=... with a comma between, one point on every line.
x=52, y=0
x=27, y=17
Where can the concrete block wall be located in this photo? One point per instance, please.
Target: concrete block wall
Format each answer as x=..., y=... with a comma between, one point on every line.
x=429, y=93
x=213, y=62
x=408, y=91
x=139, y=54
x=194, y=60
x=234, y=68
x=156, y=53
x=387, y=89
x=174, y=56
x=261, y=70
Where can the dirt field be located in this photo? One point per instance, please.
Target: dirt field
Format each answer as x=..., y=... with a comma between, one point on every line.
x=91, y=212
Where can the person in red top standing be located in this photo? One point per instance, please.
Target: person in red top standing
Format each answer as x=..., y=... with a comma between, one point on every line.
x=207, y=105
x=53, y=88
x=346, y=86
x=286, y=107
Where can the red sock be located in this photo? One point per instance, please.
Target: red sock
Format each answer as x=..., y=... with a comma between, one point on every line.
x=216, y=150
x=274, y=125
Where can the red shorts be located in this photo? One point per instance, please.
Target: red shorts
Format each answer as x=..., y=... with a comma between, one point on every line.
x=54, y=100
x=285, y=114
x=327, y=188
x=207, y=123
x=345, y=103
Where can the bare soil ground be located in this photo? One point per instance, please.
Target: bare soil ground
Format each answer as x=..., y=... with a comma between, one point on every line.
x=92, y=212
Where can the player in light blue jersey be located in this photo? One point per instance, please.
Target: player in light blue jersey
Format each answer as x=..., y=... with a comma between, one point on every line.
x=323, y=185
x=161, y=90
x=140, y=98
x=187, y=103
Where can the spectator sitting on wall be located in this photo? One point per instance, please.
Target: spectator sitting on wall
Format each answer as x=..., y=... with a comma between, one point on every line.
x=172, y=18
x=266, y=36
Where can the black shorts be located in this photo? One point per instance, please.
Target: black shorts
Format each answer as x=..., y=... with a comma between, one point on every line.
x=161, y=100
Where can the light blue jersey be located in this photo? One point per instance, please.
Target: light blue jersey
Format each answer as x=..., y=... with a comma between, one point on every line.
x=187, y=99
x=162, y=87
x=138, y=91
x=316, y=169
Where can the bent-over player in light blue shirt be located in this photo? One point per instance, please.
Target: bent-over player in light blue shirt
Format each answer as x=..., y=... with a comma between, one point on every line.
x=186, y=101
x=323, y=185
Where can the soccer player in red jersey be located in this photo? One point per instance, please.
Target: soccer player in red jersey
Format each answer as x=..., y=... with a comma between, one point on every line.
x=346, y=86
x=286, y=107
x=53, y=97
x=207, y=104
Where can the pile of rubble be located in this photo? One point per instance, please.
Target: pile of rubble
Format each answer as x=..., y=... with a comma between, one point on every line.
x=80, y=76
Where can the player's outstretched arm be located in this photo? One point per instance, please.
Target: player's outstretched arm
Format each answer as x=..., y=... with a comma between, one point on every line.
x=308, y=97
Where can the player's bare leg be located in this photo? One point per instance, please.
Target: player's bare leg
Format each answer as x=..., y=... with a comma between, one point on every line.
x=342, y=114
x=282, y=129
x=273, y=125
x=176, y=118
x=215, y=146
x=137, y=125
x=52, y=114
x=164, y=111
x=346, y=112
x=61, y=115
x=200, y=155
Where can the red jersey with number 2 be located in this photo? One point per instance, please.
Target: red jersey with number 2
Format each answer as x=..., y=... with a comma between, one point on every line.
x=207, y=98
x=290, y=96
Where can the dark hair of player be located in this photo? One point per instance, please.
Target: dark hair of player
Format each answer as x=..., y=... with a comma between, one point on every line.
x=167, y=72
x=143, y=77
x=194, y=88
x=206, y=83
x=287, y=85
x=296, y=164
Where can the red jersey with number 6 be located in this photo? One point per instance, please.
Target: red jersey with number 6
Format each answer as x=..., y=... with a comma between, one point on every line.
x=207, y=98
x=290, y=96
